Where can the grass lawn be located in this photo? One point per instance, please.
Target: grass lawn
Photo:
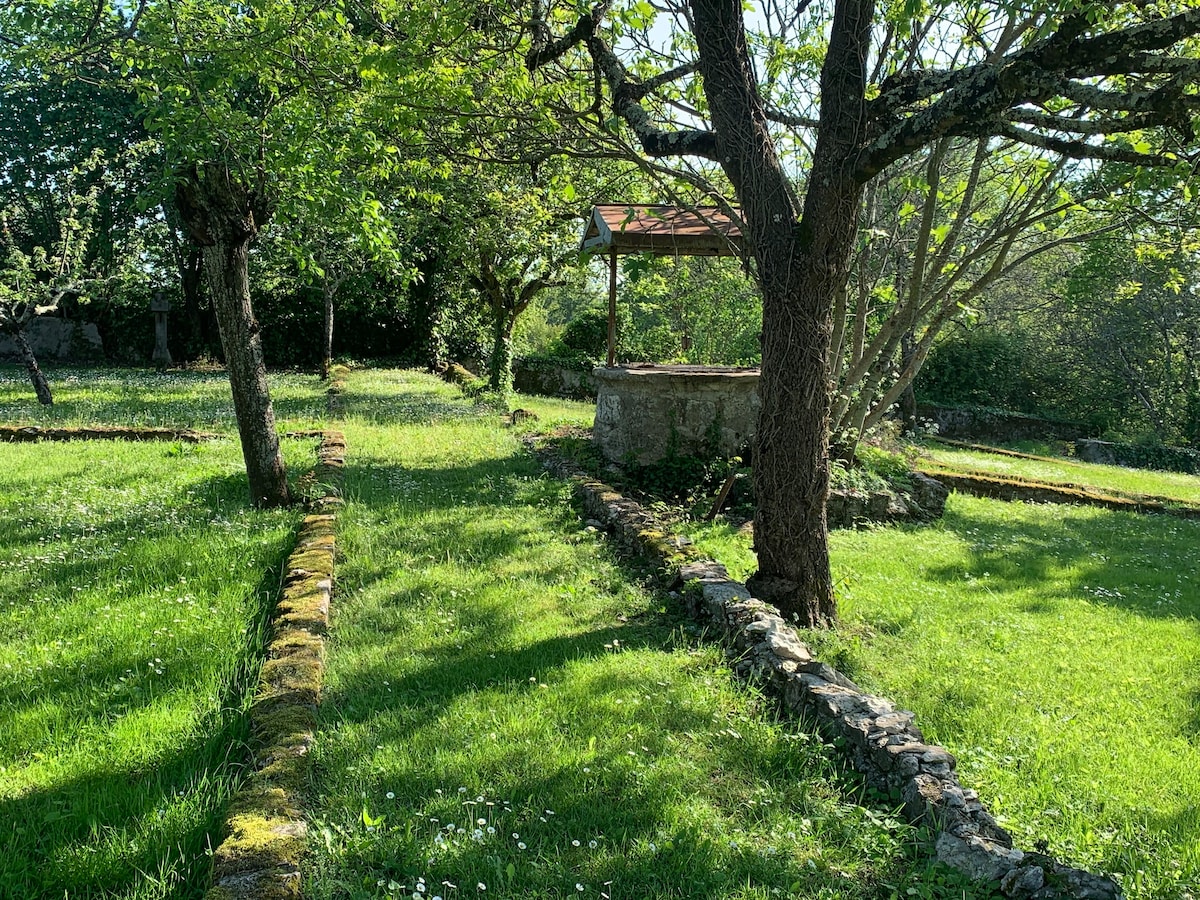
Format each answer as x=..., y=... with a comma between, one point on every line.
x=145, y=397
x=510, y=713
x=1162, y=485
x=1055, y=650
x=131, y=612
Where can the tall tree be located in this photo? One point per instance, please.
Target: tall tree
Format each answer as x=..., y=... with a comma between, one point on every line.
x=875, y=82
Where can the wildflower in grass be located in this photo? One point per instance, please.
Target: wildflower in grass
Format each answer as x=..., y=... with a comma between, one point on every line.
x=574, y=843
x=521, y=845
x=579, y=887
x=592, y=845
x=481, y=886
x=391, y=795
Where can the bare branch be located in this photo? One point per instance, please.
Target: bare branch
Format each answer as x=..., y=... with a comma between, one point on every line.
x=1083, y=150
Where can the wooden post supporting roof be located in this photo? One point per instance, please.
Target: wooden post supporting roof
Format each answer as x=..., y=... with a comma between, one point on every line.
x=621, y=228
x=612, y=308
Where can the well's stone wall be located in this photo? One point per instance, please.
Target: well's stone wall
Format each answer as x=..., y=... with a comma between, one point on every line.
x=643, y=412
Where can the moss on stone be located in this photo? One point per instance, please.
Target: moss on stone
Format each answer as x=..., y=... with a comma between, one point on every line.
x=318, y=561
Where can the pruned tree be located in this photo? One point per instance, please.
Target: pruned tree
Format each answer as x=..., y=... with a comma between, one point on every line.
x=871, y=84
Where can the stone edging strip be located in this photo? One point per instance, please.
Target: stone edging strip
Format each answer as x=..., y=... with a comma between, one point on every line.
x=885, y=744
x=265, y=829
x=33, y=433
x=1040, y=492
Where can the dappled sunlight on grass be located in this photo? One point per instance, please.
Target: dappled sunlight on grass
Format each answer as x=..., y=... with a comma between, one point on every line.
x=1055, y=650
x=149, y=398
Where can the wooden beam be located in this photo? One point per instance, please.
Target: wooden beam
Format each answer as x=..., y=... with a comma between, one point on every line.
x=612, y=308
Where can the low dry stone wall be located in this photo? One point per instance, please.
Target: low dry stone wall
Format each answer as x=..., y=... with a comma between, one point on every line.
x=1035, y=492
x=885, y=743
x=531, y=377
x=1137, y=456
x=34, y=433
x=53, y=337
x=265, y=829
x=978, y=423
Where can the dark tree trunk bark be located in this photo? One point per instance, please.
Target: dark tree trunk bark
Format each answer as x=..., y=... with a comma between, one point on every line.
x=204, y=337
x=327, y=335
x=228, y=283
x=908, y=398
x=41, y=387
x=802, y=263
x=223, y=216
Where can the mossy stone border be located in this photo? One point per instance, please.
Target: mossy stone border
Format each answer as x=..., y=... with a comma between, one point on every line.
x=34, y=433
x=1020, y=489
x=265, y=828
x=884, y=743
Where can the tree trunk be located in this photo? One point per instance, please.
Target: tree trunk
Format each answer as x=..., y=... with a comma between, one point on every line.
x=500, y=375
x=228, y=283
x=223, y=216
x=802, y=266
x=908, y=397
x=327, y=341
x=41, y=387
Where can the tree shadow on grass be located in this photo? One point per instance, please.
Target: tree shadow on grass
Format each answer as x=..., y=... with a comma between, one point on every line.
x=106, y=832
x=616, y=794
x=106, y=828
x=378, y=408
x=468, y=515
x=1135, y=562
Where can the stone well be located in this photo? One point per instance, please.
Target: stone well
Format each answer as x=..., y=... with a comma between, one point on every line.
x=642, y=410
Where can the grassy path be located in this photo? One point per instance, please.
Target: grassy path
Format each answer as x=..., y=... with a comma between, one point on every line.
x=511, y=714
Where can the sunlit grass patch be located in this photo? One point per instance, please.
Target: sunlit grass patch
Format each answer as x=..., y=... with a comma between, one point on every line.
x=508, y=713
x=1055, y=650
x=131, y=609
x=1162, y=485
x=146, y=397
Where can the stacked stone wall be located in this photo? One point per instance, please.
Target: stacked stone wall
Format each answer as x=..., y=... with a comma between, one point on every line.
x=885, y=743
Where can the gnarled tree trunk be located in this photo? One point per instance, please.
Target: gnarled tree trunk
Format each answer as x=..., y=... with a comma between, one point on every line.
x=803, y=263
x=223, y=216
x=41, y=387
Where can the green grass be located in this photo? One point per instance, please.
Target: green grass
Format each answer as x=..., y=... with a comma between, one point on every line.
x=145, y=397
x=1054, y=649
x=509, y=713
x=1161, y=485
x=131, y=605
